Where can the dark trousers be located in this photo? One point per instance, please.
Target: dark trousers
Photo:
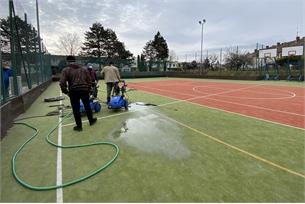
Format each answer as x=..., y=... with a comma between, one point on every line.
x=75, y=96
x=110, y=86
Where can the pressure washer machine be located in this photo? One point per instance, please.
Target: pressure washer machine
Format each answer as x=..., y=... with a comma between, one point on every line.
x=93, y=101
x=119, y=99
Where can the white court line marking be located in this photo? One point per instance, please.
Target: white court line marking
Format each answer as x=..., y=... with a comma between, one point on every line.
x=252, y=106
x=177, y=92
x=226, y=89
x=292, y=94
x=205, y=96
x=180, y=100
x=265, y=120
x=239, y=114
x=213, y=86
x=197, y=104
x=59, y=192
x=108, y=116
x=258, y=107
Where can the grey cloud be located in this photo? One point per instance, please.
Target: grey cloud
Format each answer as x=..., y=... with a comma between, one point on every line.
x=229, y=22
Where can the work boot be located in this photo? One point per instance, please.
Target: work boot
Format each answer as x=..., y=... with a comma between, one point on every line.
x=76, y=128
x=93, y=121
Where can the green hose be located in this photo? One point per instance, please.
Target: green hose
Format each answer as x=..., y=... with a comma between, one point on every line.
x=42, y=188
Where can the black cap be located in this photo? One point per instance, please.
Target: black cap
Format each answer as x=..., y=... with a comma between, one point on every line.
x=70, y=58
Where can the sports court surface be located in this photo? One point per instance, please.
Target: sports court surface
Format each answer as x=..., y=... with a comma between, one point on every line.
x=205, y=141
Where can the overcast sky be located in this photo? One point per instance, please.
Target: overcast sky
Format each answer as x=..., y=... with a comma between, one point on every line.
x=228, y=22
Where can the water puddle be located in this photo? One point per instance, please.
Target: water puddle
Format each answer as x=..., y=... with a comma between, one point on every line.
x=151, y=133
x=137, y=106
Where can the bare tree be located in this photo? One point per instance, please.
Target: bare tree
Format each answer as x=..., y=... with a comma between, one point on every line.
x=238, y=61
x=69, y=44
x=213, y=59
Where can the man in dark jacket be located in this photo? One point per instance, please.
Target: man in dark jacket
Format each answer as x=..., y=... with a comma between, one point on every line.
x=75, y=81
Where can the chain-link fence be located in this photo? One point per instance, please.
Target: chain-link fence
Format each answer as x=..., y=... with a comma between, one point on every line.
x=242, y=60
x=25, y=62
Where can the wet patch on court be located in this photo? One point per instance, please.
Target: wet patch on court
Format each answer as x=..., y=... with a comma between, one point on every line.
x=151, y=133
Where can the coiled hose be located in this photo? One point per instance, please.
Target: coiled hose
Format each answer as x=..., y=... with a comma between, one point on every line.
x=75, y=181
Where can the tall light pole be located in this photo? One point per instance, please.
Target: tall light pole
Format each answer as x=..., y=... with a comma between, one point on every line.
x=39, y=43
x=201, y=23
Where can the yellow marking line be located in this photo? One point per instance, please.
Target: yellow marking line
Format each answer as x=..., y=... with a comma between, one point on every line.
x=236, y=148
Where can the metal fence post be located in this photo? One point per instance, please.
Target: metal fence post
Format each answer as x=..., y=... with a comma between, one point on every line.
x=13, y=47
x=3, y=92
x=35, y=58
x=28, y=52
x=39, y=42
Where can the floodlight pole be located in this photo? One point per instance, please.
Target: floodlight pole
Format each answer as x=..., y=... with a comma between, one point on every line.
x=303, y=55
x=39, y=42
x=201, y=23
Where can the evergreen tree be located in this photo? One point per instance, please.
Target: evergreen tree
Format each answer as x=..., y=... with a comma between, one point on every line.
x=143, y=64
x=150, y=53
x=101, y=42
x=138, y=62
x=156, y=50
x=160, y=45
x=25, y=32
x=95, y=41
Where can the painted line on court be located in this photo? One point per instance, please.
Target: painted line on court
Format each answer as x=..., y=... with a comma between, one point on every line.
x=213, y=86
x=214, y=94
x=255, y=98
x=282, y=96
x=108, y=116
x=169, y=91
x=187, y=100
x=253, y=106
x=218, y=140
x=239, y=114
x=59, y=192
x=258, y=107
x=173, y=102
x=235, y=148
x=292, y=94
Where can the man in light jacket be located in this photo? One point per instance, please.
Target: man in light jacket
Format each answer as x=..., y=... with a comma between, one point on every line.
x=111, y=77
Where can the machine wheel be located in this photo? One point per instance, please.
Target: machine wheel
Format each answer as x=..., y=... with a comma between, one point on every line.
x=126, y=106
x=97, y=107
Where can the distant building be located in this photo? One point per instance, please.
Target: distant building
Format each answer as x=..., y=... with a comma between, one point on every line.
x=279, y=46
x=173, y=65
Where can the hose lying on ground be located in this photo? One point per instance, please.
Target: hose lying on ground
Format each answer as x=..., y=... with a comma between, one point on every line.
x=53, y=99
x=52, y=113
x=68, y=183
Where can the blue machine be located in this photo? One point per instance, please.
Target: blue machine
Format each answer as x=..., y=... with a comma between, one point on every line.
x=94, y=105
x=118, y=102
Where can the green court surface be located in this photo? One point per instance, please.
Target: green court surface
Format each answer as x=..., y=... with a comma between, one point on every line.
x=180, y=152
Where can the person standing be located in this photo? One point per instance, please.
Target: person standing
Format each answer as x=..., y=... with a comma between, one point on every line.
x=94, y=80
x=7, y=73
x=75, y=81
x=111, y=77
x=92, y=74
